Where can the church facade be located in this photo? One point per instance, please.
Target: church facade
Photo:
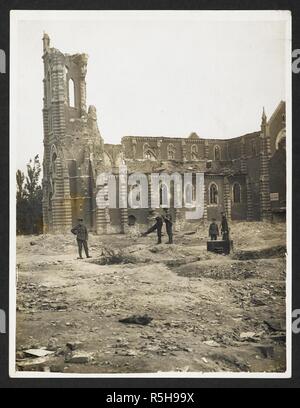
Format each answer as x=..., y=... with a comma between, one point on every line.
x=244, y=176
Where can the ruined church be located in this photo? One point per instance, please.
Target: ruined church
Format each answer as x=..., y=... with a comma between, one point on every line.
x=244, y=176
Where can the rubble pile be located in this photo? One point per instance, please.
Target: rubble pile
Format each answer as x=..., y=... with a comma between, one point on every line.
x=139, y=307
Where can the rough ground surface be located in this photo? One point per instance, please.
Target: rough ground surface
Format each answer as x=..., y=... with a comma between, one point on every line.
x=210, y=313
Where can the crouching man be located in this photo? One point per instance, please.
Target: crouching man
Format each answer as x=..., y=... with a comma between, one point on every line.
x=81, y=233
x=156, y=227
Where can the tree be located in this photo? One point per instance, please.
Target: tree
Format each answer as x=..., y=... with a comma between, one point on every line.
x=29, y=199
x=21, y=203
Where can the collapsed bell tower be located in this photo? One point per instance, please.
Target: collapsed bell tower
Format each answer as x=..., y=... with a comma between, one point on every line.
x=73, y=146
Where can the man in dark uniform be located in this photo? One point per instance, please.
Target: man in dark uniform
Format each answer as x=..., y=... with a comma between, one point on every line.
x=156, y=227
x=224, y=228
x=82, y=237
x=214, y=231
x=169, y=226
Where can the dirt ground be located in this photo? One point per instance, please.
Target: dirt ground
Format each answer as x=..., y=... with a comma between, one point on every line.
x=210, y=312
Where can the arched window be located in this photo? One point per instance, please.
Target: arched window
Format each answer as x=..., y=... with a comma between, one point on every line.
x=213, y=194
x=237, y=193
x=171, y=152
x=217, y=153
x=66, y=84
x=134, y=193
x=54, y=157
x=189, y=195
x=148, y=155
x=71, y=91
x=164, y=198
x=194, y=152
x=131, y=220
x=53, y=170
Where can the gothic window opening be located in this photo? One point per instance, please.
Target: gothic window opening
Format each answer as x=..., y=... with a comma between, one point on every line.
x=131, y=220
x=189, y=195
x=171, y=152
x=53, y=173
x=217, y=153
x=194, y=152
x=71, y=92
x=148, y=153
x=134, y=195
x=149, y=156
x=213, y=194
x=237, y=193
x=164, y=196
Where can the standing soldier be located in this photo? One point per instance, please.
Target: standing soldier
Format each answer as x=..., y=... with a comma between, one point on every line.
x=214, y=230
x=169, y=227
x=224, y=227
x=156, y=227
x=82, y=237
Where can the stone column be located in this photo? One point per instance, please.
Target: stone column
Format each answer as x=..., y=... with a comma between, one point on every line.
x=205, y=215
x=244, y=169
x=206, y=150
x=101, y=226
x=265, y=201
x=249, y=200
x=83, y=71
x=150, y=199
x=123, y=203
x=159, y=154
x=45, y=205
x=227, y=198
x=183, y=151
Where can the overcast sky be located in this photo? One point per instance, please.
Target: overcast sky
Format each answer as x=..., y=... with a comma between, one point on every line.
x=157, y=74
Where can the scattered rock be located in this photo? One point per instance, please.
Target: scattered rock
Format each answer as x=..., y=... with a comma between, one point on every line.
x=266, y=350
x=79, y=358
x=53, y=345
x=247, y=335
x=20, y=355
x=279, y=338
x=74, y=345
x=175, y=263
x=131, y=353
x=257, y=302
x=211, y=343
x=36, y=364
x=135, y=319
x=276, y=325
x=38, y=353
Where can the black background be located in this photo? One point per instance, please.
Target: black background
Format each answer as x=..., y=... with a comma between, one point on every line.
x=188, y=384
